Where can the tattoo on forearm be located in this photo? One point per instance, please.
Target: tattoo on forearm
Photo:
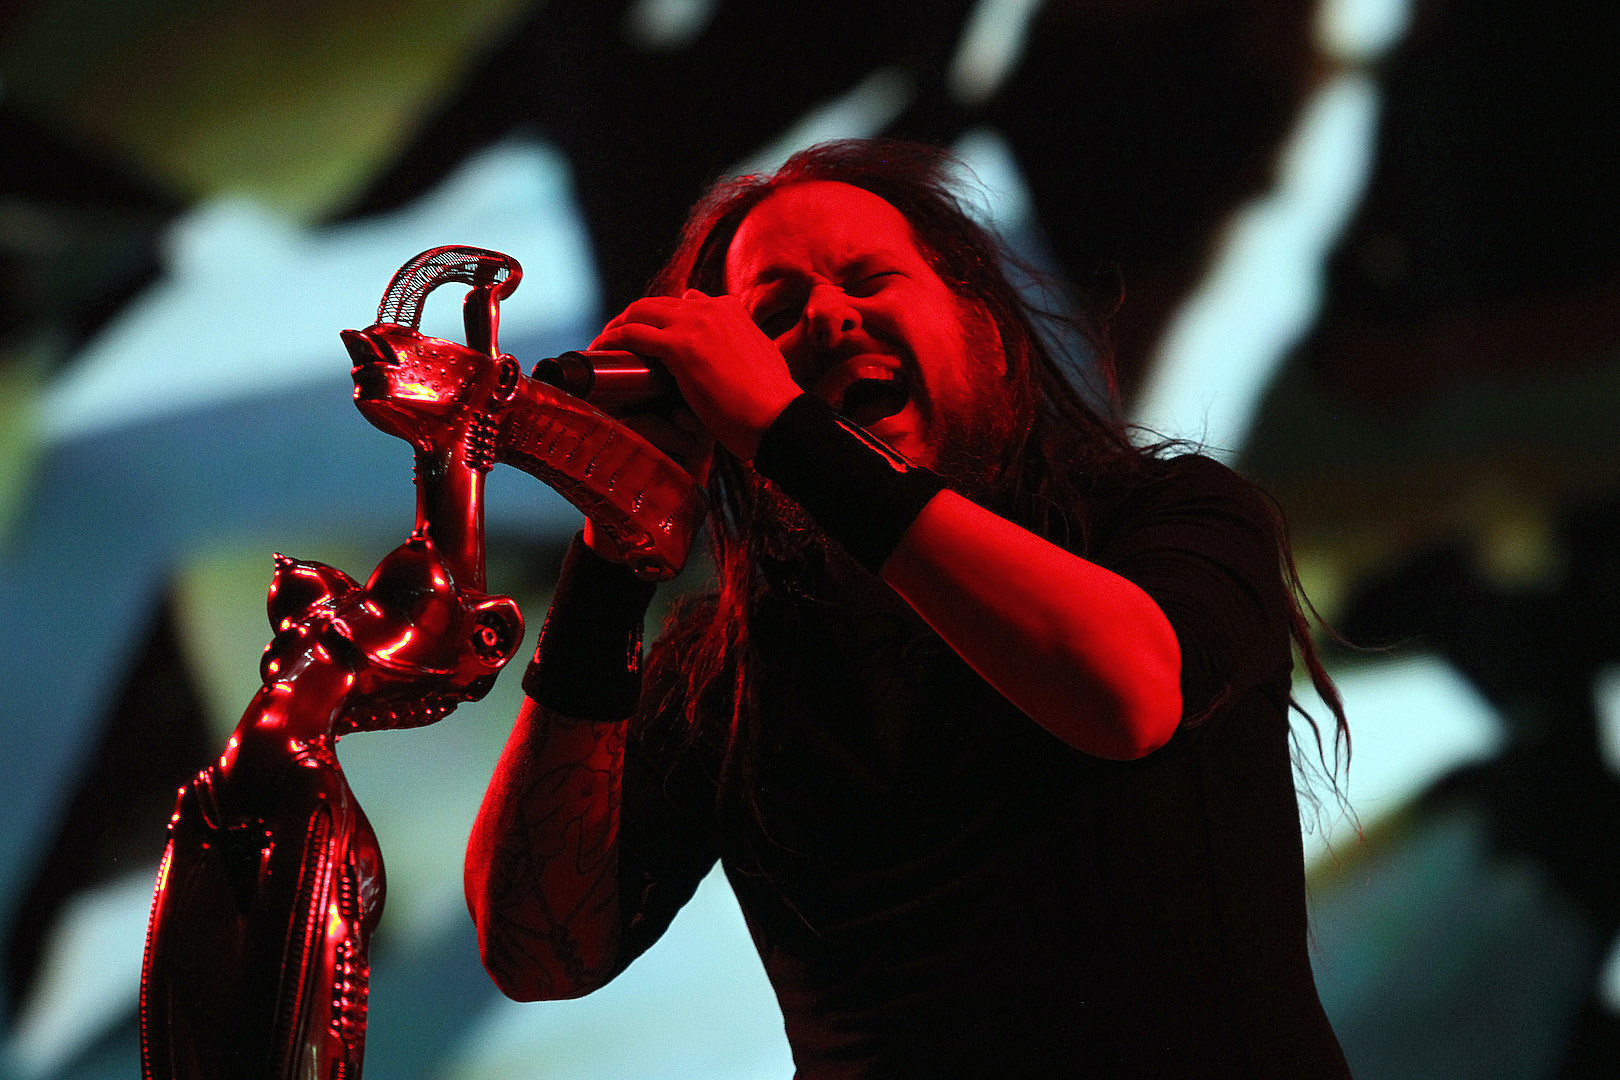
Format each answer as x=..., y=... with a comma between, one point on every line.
x=553, y=880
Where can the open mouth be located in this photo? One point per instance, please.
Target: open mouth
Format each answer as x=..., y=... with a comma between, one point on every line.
x=868, y=400
x=866, y=389
x=371, y=362
x=370, y=381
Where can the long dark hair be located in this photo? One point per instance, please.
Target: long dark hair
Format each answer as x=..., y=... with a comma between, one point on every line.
x=1068, y=453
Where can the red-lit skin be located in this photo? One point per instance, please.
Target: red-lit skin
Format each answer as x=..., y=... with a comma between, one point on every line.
x=1081, y=650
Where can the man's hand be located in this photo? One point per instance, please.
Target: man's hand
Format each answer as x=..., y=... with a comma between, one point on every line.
x=730, y=374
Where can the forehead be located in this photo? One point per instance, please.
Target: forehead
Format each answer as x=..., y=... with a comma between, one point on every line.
x=816, y=225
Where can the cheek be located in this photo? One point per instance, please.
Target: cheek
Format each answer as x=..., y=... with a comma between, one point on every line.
x=928, y=322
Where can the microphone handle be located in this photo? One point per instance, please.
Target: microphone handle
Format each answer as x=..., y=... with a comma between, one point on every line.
x=610, y=379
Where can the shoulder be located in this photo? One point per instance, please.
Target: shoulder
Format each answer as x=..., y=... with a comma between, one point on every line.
x=1206, y=544
x=1190, y=493
x=1194, y=476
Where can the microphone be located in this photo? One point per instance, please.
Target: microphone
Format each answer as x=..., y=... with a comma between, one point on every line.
x=607, y=378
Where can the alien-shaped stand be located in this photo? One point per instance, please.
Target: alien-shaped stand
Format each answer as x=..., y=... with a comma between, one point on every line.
x=272, y=881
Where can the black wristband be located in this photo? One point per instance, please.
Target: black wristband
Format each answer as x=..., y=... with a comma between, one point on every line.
x=587, y=663
x=858, y=488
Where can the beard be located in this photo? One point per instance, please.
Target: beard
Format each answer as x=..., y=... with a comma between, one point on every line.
x=974, y=440
x=973, y=446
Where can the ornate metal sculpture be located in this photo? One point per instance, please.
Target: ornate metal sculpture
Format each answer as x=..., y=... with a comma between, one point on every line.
x=272, y=882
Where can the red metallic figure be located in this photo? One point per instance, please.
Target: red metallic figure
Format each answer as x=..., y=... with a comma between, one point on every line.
x=272, y=882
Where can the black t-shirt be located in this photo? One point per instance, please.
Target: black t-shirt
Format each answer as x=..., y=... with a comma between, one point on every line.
x=939, y=887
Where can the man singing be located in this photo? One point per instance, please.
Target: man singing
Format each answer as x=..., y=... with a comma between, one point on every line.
x=986, y=714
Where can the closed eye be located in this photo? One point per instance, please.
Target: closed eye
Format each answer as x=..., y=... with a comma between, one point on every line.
x=868, y=284
x=777, y=307
x=777, y=321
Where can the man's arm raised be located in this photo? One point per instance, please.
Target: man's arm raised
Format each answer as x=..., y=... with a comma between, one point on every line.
x=1082, y=651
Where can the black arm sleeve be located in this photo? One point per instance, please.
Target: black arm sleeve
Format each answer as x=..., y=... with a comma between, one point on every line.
x=864, y=493
x=1202, y=543
x=587, y=664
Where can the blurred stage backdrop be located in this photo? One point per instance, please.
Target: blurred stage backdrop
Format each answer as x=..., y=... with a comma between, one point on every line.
x=1370, y=254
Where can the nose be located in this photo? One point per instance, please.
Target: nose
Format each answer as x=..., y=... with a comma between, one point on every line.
x=829, y=313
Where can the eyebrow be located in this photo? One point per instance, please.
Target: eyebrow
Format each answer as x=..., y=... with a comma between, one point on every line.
x=777, y=271
x=770, y=275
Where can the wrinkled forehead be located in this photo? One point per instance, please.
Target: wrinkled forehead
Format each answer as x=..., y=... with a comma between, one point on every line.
x=815, y=224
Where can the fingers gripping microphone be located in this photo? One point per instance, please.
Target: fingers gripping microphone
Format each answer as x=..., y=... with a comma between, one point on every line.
x=611, y=380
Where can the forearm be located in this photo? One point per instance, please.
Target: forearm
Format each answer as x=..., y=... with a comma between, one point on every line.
x=542, y=862
x=1081, y=650
x=541, y=871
